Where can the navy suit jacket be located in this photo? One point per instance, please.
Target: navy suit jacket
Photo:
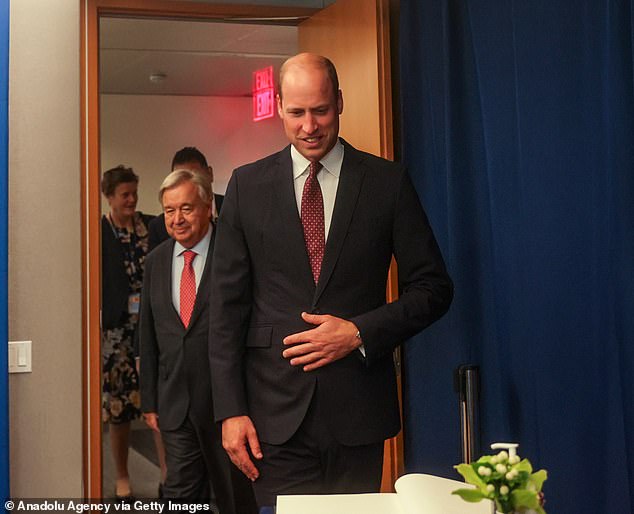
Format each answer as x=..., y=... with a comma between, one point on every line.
x=262, y=281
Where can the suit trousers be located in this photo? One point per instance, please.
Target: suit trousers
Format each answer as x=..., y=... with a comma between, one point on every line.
x=199, y=470
x=313, y=462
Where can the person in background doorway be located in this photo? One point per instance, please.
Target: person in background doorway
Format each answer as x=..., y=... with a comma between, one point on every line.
x=187, y=158
x=301, y=337
x=124, y=245
x=175, y=383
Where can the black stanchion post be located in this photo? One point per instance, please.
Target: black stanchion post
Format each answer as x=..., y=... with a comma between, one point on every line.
x=467, y=385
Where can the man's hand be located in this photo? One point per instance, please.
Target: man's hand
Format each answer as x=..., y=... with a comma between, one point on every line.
x=151, y=420
x=331, y=340
x=237, y=433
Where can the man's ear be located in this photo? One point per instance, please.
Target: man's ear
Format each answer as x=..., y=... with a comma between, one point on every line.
x=278, y=100
x=339, y=102
x=211, y=172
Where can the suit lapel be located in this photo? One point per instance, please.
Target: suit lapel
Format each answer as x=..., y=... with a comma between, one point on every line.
x=350, y=180
x=165, y=273
x=291, y=224
x=290, y=228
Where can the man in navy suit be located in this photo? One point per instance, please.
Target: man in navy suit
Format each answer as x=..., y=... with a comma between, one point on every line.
x=301, y=337
x=187, y=158
x=176, y=396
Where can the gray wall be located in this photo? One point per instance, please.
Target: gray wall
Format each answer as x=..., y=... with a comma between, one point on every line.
x=45, y=247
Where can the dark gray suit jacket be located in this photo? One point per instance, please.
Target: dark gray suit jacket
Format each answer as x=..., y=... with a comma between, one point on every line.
x=174, y=360
x=262, y=281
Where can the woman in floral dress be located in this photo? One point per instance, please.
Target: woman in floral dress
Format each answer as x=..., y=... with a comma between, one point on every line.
x=124, y=247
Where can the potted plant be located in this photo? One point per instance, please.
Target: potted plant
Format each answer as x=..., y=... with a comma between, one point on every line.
x=506, y=480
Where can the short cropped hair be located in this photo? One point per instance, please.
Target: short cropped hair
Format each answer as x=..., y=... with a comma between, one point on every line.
x=115, y=176
x=200, y=180
x=321, y=62
x=189, y=154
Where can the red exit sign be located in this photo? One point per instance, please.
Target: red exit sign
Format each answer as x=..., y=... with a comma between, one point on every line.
x=263, y=94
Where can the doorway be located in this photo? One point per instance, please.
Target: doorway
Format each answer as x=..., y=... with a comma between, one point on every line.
x=343, y=15
x=164, y=85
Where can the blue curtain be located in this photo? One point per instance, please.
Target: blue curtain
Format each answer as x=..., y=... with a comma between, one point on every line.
x=4, y=162
x=518, y=125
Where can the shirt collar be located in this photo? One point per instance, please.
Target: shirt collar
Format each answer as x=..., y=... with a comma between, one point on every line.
x=199, y=248
x=331, y=162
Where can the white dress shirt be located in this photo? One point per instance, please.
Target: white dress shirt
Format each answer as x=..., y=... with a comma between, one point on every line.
x=328, y=179
x=178, y=261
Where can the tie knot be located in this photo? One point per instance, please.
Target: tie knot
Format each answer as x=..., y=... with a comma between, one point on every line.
x=189, y=256
x=313, y=168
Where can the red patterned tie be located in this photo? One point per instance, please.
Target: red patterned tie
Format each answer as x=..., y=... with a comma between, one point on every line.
x=188, y=287
x=313, y=220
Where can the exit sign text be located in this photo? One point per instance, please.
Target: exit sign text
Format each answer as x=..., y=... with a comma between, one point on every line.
x=263, y=94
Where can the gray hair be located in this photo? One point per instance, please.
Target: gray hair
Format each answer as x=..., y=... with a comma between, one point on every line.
x=200, y=180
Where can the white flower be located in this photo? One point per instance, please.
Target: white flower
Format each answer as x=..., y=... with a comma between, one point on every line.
x=494, y=460
x=514, y=459
x=500, y=468
x=510, y=475
x=490, y=488
x=503, y=455
x=504, y=490
x=484, y=471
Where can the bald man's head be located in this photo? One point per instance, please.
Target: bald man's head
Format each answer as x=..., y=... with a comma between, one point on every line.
x=308, y=60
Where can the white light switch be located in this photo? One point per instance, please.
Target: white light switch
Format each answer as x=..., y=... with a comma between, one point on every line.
x=20, y=356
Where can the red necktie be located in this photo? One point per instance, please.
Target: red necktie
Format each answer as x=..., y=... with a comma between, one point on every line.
x=188, y=287
x=313, y=220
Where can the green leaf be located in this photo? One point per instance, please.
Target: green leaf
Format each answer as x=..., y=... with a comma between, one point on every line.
x=525, y=465
x=524, y=498
x=538, y=478
x=470, y=475
x=470, y=495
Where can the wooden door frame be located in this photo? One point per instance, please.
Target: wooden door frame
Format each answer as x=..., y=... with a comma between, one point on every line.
x=90, y=12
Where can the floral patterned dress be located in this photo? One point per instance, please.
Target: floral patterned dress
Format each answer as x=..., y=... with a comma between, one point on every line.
x=121, y=401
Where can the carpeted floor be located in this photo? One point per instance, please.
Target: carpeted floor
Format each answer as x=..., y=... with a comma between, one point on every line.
x=142, y=441
x=144, y=473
